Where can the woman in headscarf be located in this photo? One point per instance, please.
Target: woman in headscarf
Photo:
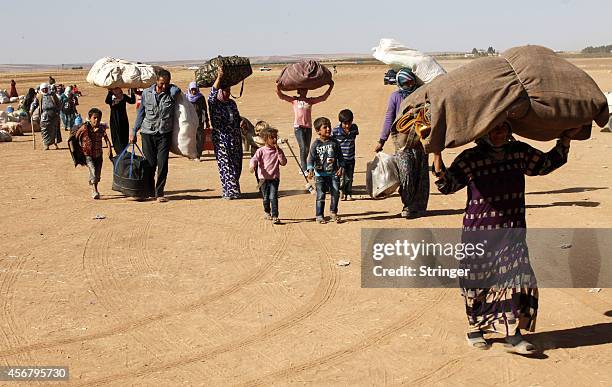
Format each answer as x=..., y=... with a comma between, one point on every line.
x=199, y=103
x=501, y=291
x=13, y=89
x=29, y=98
x=412, y=163
x=119, y=124
x=226, y=138
x=69, y=109
x=48, y=106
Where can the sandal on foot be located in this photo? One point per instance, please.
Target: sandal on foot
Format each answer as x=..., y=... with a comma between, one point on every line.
x=321, y=220
x=275, y=220
x=477, y=340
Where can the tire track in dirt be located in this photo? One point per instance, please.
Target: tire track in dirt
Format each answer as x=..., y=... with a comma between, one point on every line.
x=324, y=292
x=123, y=327
x=333, y=357
x=10, y=335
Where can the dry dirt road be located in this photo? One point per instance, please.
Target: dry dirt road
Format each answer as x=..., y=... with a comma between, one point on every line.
x=201, y=291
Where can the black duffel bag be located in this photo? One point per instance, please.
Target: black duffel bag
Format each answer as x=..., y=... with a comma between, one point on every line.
x=235, y=70
x=132, y=174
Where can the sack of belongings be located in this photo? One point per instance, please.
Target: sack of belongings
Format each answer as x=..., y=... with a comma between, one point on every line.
x=5, y=136
x=12, y=128
x=539, y=93
x=110, y=72
x=396, y=55
x=132, y=174
x=185, y=128
x=308, y=74
x=235, y=70
x=382, y=176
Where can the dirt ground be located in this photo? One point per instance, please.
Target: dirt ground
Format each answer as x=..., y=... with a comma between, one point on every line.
x=202, y=291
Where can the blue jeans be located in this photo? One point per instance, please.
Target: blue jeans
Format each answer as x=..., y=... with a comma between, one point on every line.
x=269, y=191
x=303, y=136
x=347, y=177
x=324, y=184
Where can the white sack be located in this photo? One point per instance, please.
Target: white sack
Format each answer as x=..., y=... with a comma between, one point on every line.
x=396, y=55
x=185, y=128
x=110, y=72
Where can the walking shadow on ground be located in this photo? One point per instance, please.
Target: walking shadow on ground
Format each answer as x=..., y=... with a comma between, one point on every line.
x=568, y=190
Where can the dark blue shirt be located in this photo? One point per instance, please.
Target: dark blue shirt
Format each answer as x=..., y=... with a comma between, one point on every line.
x=346, y=140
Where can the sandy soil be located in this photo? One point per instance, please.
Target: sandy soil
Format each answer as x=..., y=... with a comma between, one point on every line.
x=204, y=291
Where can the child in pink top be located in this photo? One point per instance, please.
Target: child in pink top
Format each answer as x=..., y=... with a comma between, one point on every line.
x=302, y=122
x=267, y=161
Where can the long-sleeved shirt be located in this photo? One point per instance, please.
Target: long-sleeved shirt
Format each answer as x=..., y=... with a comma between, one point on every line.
x=268, y=160
x=346, y=140
x=325, y=157
x=393, y=107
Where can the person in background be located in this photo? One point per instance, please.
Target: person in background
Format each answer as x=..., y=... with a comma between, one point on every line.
x=69, y=109
x=28, y=100
x=51, y=81
x=119, y=123
x=48, y=106
x=302, y=122
x=199, y=103
x=155, y=120
x=13, y=90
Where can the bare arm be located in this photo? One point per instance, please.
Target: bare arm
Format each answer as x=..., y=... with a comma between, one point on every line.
x=282, y=95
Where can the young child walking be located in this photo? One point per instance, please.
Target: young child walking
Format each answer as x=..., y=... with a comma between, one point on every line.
x=346, y=133
x=266, y=163
x=326, y=163
x=90, y=136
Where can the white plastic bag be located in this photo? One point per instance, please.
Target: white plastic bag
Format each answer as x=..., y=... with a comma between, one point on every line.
x=382, y=176
x=609, y=97
x=396, y=55
x=110, y=72
x=185, y=128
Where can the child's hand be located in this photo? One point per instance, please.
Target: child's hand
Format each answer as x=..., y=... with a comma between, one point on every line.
x=339, y=171
x=310, y=173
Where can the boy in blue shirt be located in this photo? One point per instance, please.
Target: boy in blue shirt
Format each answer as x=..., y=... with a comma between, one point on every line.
x=326, y=163
x=346, y=133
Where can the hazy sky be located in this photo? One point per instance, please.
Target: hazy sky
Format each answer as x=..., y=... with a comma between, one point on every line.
x=49, y=32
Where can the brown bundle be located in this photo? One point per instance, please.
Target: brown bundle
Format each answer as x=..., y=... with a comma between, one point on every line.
x=308, y=74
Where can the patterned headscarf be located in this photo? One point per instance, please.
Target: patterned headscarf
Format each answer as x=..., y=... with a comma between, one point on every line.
x=402, y=77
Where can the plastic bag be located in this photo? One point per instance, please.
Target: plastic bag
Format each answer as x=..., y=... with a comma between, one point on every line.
x=382, y=176
x=396, y=55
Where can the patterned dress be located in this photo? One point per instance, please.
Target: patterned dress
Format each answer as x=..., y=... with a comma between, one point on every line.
x=501, y=288
x=227, y=141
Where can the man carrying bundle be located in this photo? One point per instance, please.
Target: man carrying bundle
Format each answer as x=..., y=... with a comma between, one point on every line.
x=156, y=120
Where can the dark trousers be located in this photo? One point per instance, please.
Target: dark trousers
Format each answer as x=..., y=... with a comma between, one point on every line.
x=269, y=191
x=200, y=140
x=347, y=177
x=303, y=136
x=120, y=137
x=329, y=184
x=156, y=148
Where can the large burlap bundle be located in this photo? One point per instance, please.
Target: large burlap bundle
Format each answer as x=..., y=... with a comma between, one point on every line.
x=185, y=128
x=235, y=70
x=110, y=72
x=12, y=128
x=396, y=55
x=538, y=92
x=308, y=74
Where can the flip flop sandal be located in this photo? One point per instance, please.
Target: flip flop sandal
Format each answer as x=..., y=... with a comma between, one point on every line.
x=477, y=340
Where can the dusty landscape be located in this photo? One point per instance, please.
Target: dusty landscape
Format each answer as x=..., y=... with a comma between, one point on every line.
x=202, y=291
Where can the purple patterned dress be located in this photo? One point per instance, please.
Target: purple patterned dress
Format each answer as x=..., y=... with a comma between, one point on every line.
x=227, y=140
x=501, y=288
